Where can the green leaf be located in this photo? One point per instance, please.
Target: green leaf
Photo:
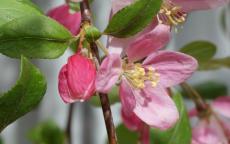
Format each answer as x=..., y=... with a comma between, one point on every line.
x=31, y=4
x=24, y=96
x=214, y=64
x=47, y=133
x=34, y=36
x=12, y=9
x=203, y=51
x=113, y=97
x=180, y=133
x=210, y=89
x=133, y=18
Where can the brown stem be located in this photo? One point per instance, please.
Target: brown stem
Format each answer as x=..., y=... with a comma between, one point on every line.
x=195, y=96
x=67, y=1
x=108, y=118
x=69, y=124
x=86, y=18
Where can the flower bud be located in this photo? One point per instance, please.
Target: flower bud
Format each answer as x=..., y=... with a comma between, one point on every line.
x=63, y=15
x=92, y=33
x=77, y=79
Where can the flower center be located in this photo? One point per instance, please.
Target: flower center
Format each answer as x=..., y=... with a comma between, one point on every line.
x=137, y=75
x=171, y=14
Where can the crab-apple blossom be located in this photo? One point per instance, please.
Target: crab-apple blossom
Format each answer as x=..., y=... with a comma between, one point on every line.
x=77, y=79
x=213, y=128
x=62, y=14
x=143, y=85
x=157, y=34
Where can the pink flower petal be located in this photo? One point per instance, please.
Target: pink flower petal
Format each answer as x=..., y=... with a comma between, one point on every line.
x=148, y=41
x=155, y=107
x=117, y=45
x=127, y=97
x=222, y=106
x=208, y=132
x=108, y=73
x=192, y=5
x=81, y=73
x=130, y=120
x=70, y=21
x=173, y=67
x=152, y=38
x=63, y=86
x=133, y=123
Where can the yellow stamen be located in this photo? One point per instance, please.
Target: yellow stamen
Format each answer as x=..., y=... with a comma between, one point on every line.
x=137, y=75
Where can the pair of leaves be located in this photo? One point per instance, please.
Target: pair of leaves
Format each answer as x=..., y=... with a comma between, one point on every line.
x=24, y=30
x=179, y=134
x=24, y=96
x=210, y=89
x=47, y=133
x=133, y=18
x=204, y=52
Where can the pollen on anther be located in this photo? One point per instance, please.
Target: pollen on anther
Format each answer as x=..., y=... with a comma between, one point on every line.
x=171, y=14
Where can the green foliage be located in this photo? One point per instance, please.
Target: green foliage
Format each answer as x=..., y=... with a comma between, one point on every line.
x=34, y=37
x=24, y=96
x=113, y=97
x=25, y=31
x=204, y=52
x=13, y=9
x=180, y=133
x=133, y=18
x=210, y=89
x=201, y=50
x=126, y=136
x=47, y=133
x=216, y=64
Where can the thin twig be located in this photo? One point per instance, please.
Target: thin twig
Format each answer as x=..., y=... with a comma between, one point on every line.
x=67, y=1
x=69, y=124
x=195, y=96
x=86, y=18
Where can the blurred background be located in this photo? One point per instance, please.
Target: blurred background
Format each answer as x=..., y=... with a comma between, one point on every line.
x=88, y=123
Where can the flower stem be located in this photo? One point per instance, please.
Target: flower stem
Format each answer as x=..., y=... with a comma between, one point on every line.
x=195, y=96
x=108, y=118
x=86, y=18
x=69, y=124
x=67, y=1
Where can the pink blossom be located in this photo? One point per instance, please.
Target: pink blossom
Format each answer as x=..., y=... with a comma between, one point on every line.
x=77, y=79
x=209, y=131
x=143, y=86
x=157, y=34
x=214, y=129
x=71, y=21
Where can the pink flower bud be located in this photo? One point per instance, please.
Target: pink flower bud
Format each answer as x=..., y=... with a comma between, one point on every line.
x=71, y=21
x=77, y=79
